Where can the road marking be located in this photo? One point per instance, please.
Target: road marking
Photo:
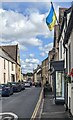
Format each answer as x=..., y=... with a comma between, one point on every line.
x=9, y=117
x=41, y=109
x=37, y=106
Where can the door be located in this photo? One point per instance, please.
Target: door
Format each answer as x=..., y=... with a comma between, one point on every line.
x=12, y=78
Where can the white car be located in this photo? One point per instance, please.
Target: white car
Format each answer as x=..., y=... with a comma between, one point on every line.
x=27, y=84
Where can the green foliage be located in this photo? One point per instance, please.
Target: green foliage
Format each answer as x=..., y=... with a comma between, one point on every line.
x=67, y=78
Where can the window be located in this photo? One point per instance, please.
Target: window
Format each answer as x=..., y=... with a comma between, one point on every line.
x=12, y=78
x=4, y=77
x=12, y=66
x=59, y=84
x=4, y=64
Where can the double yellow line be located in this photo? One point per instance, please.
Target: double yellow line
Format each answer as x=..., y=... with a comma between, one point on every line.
x=37, y=106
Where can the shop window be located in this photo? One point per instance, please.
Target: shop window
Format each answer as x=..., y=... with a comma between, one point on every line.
x=59, y=84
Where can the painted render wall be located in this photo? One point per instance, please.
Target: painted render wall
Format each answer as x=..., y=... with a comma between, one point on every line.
x=2, y=70
x=69, y=85
x=7, y=71
x=8, y=67
x=72, y=67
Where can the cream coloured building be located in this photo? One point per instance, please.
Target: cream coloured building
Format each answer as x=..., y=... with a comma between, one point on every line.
x=13, y=51
x=7, y=67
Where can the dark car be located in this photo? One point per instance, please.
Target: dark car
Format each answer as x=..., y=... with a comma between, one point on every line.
x=22, y=86
x=16, y=86
x=37, y=84
x=5, y=90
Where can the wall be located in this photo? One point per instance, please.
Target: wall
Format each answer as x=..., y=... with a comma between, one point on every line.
x=8, y=67
x=72, y=67
x=45, y=68
x=35, y=77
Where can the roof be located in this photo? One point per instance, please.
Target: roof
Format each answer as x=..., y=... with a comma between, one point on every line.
x=45, y=59
x=58, y=65
x=11, y=50
x=5, y=55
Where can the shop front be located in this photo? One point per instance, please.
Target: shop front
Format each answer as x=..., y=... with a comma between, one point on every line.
x=58, y=81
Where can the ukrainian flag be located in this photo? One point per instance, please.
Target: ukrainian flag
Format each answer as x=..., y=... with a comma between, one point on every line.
x=51, y=18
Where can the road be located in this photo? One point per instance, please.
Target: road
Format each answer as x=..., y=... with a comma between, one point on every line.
x=22, y=103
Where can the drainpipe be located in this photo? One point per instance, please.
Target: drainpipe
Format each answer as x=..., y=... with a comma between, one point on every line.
x=66, y=85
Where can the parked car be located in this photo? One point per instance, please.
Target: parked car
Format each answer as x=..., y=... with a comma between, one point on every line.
x=5, y=90
x=33, y=83
x=27, y=84
x=30, y=83
x=37, y=84
x=16, y=86
x=22, y=86
x=11, y=88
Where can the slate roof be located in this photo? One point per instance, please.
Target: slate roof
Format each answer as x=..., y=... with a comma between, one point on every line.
x=11, y=50
x=5, y=55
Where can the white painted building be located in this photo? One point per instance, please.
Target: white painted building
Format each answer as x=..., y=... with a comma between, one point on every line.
x=7, y=67
x=68, y=53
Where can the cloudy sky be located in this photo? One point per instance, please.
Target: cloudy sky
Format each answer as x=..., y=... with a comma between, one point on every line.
x=24, y=23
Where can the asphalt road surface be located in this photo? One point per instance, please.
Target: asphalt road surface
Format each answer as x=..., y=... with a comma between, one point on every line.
x=22, y=103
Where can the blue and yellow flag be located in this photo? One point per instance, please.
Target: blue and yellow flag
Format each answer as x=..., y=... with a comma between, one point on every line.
x=51, y=18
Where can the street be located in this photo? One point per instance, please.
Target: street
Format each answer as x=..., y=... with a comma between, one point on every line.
x=22, y=103
x=36, y=60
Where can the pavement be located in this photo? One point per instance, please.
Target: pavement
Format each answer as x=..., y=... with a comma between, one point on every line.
x=51, y=110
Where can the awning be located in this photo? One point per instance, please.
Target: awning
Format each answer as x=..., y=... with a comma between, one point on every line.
x=57, y=65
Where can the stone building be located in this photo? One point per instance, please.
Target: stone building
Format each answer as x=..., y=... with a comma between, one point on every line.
x=45, y=71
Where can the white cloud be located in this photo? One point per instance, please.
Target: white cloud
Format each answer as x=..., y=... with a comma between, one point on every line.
x=32, y=60
x=31, y=41
x=29, y=64
x=31, y=55
x=42, y=54
x=45, y=49
x=15, y=26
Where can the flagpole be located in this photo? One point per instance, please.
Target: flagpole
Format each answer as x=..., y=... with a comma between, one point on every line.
x=57, y=20
x=55, y=14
